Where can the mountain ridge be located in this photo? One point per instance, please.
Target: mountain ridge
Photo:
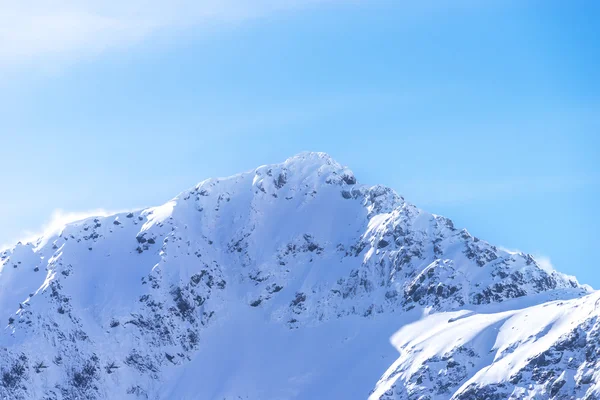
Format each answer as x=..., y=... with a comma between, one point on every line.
x=135, y=301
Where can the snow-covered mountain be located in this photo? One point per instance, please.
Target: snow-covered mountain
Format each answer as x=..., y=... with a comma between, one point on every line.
x=289, y=282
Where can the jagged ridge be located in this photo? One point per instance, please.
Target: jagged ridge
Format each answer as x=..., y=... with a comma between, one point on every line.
x=132, y=304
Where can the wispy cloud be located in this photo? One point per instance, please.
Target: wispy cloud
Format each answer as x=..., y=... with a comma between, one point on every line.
x=55, y=224
x=30, y=30
x=545, y=263
x=49, y=33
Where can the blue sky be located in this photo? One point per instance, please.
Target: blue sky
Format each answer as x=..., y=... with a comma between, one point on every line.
x=485, y=112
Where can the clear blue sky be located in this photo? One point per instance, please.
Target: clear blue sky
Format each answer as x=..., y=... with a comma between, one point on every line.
x=485, y=112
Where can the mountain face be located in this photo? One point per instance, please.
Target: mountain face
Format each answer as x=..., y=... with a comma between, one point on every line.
x=289, y=282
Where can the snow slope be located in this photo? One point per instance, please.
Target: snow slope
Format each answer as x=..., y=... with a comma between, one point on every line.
x=550, y=350
x=287, y=282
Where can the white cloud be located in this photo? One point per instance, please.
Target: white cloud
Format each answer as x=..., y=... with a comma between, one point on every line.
x=544, y=263
x=57, y=221
x=59, y=31
x=34, y=29
x=511, y=251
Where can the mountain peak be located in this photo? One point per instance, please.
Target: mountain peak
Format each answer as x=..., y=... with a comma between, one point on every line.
x=162, y=302
x=312, y=157
x=312, y=167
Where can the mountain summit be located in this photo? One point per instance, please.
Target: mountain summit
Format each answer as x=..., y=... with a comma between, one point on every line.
x=289, y=282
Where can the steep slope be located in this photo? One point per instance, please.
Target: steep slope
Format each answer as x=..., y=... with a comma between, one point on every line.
x=283, y=282
x=551, y=350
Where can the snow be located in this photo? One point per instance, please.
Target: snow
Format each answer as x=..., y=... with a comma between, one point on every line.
x=513, y=339
x=157, y=215
x=287, y=281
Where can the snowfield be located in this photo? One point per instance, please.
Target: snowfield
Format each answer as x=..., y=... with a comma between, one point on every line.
x=291, y=281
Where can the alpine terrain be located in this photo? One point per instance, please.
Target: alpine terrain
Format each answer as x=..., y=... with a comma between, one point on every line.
x=290, y=281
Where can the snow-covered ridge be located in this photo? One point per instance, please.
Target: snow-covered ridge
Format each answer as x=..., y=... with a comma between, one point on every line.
x=550, y=350
x=316, y=269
